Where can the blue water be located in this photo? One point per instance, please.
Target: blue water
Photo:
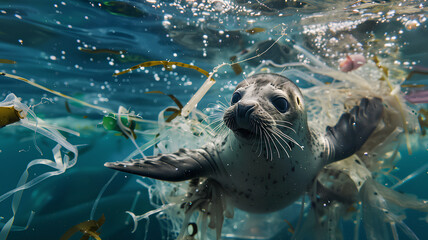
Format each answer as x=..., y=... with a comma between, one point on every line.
x=46, y=39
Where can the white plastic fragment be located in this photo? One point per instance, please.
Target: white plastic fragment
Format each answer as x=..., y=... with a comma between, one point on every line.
x=200, y=93
x=60, y=163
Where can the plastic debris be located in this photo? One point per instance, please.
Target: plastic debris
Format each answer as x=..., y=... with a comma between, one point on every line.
x=102, y=50
x=60, y=163
x=8, y=115
x=255, y=30
x=352, y=62
x=235, y=66
x=88, y=228
x=7, y=61
x=175, y=111
x=423, y=120
x=54, y=92
x=166, y=64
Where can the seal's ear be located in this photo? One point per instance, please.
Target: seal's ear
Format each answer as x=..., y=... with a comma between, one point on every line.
x=354, y=128
x=179, y=166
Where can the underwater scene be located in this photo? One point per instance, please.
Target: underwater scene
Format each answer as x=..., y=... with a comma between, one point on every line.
x=213, y=119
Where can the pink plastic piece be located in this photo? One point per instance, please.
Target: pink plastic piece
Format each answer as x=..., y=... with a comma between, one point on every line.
x=352, y=62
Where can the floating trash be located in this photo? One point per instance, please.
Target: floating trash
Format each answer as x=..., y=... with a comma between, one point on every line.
x=7, y=61
x=352, y=62
x=102, y=50
x=255, y=30
x=19, y=114
x=175, y=111
x=88, y=228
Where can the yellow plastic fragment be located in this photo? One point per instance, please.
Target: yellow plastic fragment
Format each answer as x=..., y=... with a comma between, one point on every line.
x=413, y=72
x=384, y=69
x=179, y=105
x=9, y=115
x=235, y=66
x=166, y=64
x=412, y=85
x=423, y=120
x=255, y=30
x=109, y=51
x=175, y=111
x=385, y=77
x=7, y=61
x=67, y=106
x=54, y=92
x=88, y=228
x=290, y=226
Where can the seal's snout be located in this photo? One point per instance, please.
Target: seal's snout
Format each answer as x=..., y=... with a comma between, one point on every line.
x=244, y=109
x=243, y=113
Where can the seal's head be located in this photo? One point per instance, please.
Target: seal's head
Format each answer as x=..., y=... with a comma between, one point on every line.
x=266, y=107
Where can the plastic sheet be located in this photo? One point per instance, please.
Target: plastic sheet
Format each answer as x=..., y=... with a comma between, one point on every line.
x=60, y=163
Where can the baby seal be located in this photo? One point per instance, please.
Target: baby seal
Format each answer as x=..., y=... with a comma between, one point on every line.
x=270, y=157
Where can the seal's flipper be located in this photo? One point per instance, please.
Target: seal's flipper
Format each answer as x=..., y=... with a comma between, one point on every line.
x=354, y=128
x=179, y=166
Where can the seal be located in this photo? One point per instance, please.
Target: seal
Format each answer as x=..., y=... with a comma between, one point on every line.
x=270, y=156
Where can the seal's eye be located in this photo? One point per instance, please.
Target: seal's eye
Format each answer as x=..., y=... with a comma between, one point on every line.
x=235, y=98
x=281, y=104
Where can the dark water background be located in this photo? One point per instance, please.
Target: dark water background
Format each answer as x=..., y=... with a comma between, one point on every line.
x=46, y=38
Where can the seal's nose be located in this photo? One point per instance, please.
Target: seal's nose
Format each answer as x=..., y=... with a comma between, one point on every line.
x=244, y=109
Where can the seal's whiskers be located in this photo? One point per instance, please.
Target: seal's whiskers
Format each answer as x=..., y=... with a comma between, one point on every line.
x=288, y=138
x=217, y=122
x=259, y=143
x=279, y=142
x=273, y=142
x=267, y=145
x=277, y=133
x=268, y=136
x=266, y=140
x=217, y=116
x=223, y=131
x=230, y=123
x=221, y=128
x=288, y=127
x=282, y=123
x=223, y=105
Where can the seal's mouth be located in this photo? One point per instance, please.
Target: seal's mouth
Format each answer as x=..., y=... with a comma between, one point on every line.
x=242, y=132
